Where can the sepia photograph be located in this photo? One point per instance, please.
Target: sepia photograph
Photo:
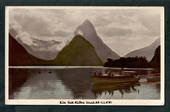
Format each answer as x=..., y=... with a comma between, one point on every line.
x=63, y=55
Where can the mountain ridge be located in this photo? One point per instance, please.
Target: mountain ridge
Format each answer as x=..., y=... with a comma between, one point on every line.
x=17, y=53
x=147, y=51
x=79, y=50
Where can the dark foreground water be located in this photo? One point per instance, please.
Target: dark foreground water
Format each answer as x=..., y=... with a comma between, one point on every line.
x=75, y=83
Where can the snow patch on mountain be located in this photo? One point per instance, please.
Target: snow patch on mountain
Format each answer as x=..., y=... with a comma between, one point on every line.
x=43, y=49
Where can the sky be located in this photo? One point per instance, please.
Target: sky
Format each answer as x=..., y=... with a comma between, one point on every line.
x=121, y=29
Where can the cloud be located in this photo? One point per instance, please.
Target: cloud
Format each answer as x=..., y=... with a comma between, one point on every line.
x=34, y=24
x=62, y=33
x=117, y=32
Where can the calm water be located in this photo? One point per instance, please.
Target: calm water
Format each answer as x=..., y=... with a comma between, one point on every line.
x=74, y=83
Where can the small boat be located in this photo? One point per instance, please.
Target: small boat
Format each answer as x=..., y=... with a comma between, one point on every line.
x=103, y=79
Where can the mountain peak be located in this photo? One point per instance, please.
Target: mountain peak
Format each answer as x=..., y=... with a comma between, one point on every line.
x=87, y=22
x=86, y=29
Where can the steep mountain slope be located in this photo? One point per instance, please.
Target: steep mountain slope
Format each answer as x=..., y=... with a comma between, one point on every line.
x=18, y=56
x=88, y=31
x=78, y=52
x=44, y=49
x=148, y=51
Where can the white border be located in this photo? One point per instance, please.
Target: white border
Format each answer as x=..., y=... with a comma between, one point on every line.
x=134, y=102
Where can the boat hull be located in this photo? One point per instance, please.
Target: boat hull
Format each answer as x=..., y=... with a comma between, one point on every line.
x=97, y=80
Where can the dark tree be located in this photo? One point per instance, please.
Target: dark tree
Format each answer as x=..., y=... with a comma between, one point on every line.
x=130, y=62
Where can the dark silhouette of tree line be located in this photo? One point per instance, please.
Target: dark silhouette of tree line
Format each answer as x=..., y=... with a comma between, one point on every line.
x=135, y=62
x=129, y=62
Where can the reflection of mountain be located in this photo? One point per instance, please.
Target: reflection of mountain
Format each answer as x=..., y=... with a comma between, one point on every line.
x=17, y=78
x=123, y=88
x=72, y=83
x=148, y=51
x=78, y=81
x=88, y=31
x=44, y=83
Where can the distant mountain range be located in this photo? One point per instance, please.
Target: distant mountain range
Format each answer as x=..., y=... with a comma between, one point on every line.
x=147, y=51
x=85, y=49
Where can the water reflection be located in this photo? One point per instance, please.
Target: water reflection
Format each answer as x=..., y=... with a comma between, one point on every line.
x=73, y=83
x=43, y=84
x=123, y=88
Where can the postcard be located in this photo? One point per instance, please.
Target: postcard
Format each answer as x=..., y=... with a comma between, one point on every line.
x=65, y=55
